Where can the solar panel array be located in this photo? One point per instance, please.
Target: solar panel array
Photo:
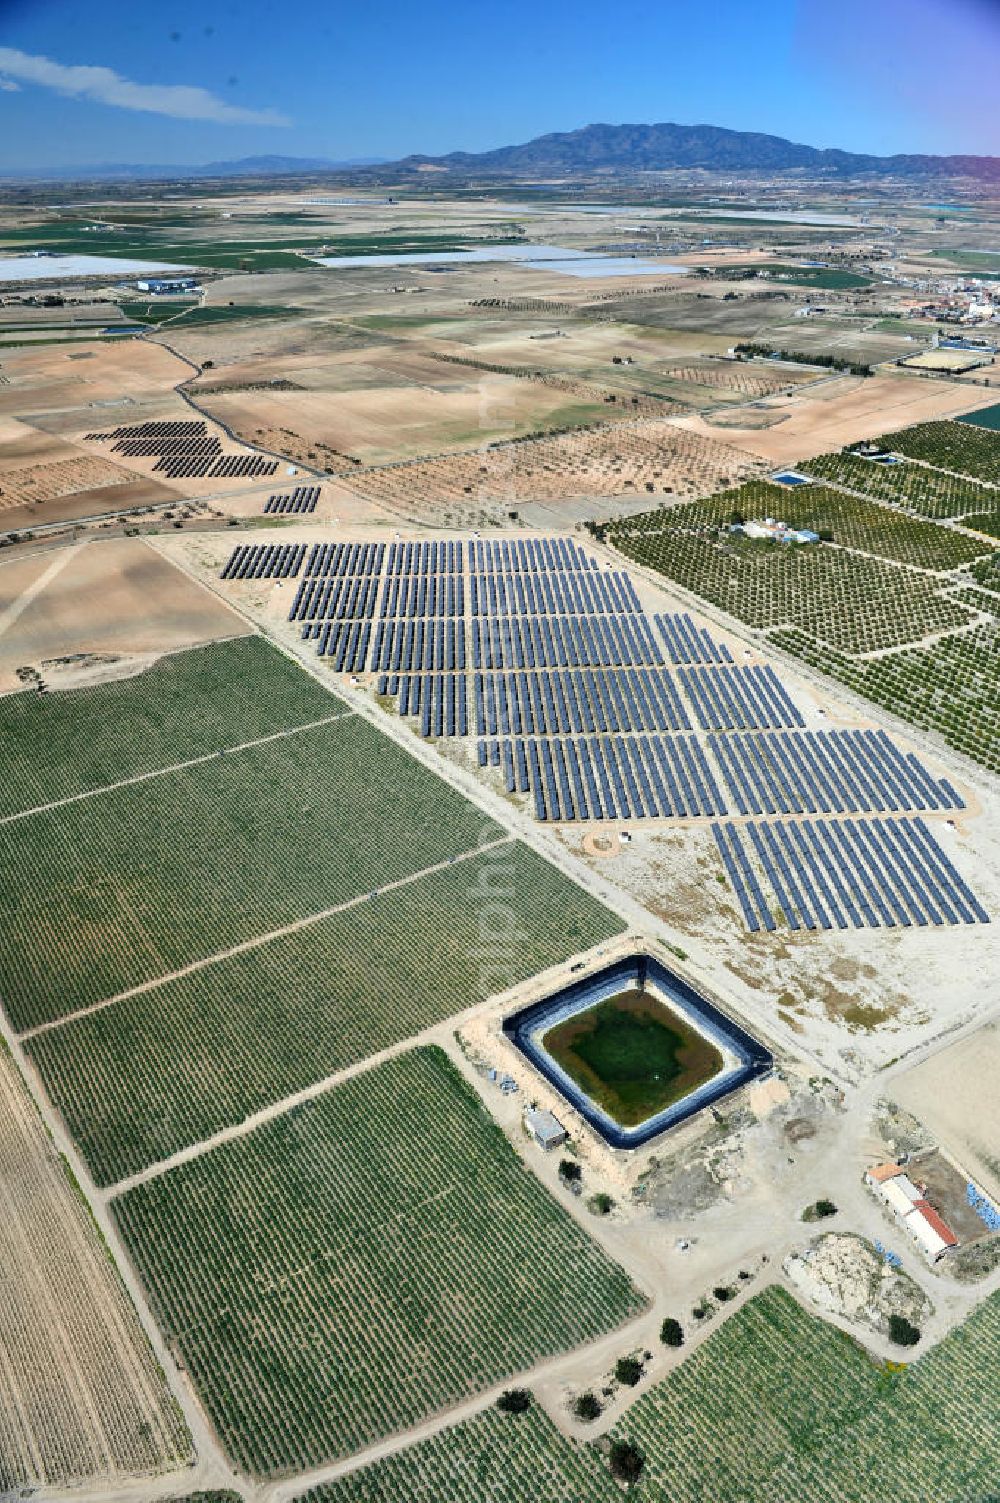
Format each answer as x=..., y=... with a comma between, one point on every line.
x=628, y=777
x=828, y=874
x=555, y=703
x=265, y=561
x=564, y=642
x=183, y=450
x=728, y=699
x=552, y=594
x=302, y=499
x=688, y=643
x=597, y=711
x=826, y=772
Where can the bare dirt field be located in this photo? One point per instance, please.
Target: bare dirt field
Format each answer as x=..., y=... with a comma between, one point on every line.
x=400, y=420
x=843, y=411
x=954, y=1093
x=84, y=1399
x=117, y=598
x=42, y=380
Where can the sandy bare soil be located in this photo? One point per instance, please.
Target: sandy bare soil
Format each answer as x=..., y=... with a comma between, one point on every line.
x=842, y=412
x=116, y=597
x=81, y=1396
x=955, y=1094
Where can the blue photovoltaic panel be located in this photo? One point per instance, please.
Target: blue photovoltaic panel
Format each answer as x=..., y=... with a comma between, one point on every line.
x=865, y=873
x=826, y=772
x=264, y=561
x=607, y=777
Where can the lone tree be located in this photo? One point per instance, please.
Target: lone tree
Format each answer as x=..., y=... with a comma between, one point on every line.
x=672, y=1332
x=514, y=1400
x=570, y=1171
x=626, y=1461
x=587, y=1406
x=902, y=1332
x=628, y=1370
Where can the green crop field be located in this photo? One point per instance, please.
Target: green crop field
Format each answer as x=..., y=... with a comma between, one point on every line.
x=934, y=493
x=833, y=278
x=187, y=705
x=352, y=1267
x=846, y=600
x=960, y=447
x=224, y=313
x=164, y=1068
x=120, y=888
x=155, y=310
x=777, y=1405
x=491, y=1458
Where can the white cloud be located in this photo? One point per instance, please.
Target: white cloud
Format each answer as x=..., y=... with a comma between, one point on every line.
x=180, y=101
x=9, y=86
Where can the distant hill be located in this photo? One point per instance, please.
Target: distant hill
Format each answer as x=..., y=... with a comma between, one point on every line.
x=266, y=166
x=658, y=148
x=592, y=150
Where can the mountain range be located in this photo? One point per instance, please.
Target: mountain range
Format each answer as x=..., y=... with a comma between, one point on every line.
x=658, y=148
x=592, y=150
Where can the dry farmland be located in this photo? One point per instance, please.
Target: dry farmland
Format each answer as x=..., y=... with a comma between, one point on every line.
x=83, y=1397
x=80, y=613
x=613, y=461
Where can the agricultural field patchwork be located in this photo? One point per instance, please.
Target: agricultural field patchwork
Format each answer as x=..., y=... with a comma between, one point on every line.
x=165, y=1068
x=779, y=1405
x=83, y=1396
x=116, y=890
x=187, y=705
x=356, y=1265
x=614, y=459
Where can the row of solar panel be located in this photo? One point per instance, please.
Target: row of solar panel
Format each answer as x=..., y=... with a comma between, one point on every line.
x=552, y=594
x=445, y=557
x=441, y=701
x=351, y=597
x=302, y=499
x=838, y=873
x=739, y=698
x=526, y=555
x=345, y=642
x=265, y=561
x=342, y=559
x=826, y=772
x=564, y=642
x=555, y=703
x=418, y=646
x=640, y=777
x=688, y=643
x=424, y=595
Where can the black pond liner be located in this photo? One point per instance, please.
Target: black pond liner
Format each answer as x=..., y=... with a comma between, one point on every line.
x=524, y=1029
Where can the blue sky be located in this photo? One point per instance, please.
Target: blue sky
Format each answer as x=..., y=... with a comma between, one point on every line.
x=194, y=81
